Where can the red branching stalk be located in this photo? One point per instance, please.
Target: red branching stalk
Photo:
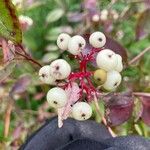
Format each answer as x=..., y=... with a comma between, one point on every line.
x=83, y=76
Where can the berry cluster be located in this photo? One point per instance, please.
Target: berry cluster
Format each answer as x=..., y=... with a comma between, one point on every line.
x=59, y=73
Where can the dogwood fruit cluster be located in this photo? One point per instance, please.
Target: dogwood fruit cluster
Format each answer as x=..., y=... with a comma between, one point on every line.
x=107, y=75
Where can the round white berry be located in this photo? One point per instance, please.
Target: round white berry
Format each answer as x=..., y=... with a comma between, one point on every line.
x=119, y=65
x=60, y=69
x=45, y=76
x=76, y=44
x=113, y=80
x=106, y=59
x=97, y=39
x=95, y=18
x=63, y=40
x=81, y=111
x=57, y=97
x=104, y=15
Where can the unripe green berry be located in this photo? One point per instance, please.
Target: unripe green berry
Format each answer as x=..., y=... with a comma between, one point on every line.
x=100, y=76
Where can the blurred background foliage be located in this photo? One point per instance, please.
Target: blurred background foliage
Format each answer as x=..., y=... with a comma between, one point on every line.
x=126, y=21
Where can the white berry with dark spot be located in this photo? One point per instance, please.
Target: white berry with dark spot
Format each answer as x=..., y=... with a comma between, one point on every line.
x=97, y=39
x=57, y=97
x=113, y=80
x=76, y=44
x=60, y=69
x=45, y=76
x=106, y=59
x=81, y=111
x=63, y=40
x=119, y=65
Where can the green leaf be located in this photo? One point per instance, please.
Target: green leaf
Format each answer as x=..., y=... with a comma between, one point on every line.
x=54, y=15
x=48, y=57
x=138, y=129
x=9, y=23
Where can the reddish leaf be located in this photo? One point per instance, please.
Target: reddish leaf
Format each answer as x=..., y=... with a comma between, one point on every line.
x=91, y=9
x=147, y=3
x=73, y=95
x=21, y=85
x=8, y=50
x=143, y=25
x=17, y=131
x=118, y=108
x=39, y=96
x=75, y=16
x=146, y=109
x=108, y=26
x=90, y=4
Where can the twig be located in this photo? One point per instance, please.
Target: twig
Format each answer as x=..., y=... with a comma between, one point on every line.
x=125, y=10
x=134, y=93
x=141, y=94
x=29, y=58
x=103, y=119
x=111, y=4
x=139, y=56
x=135, y=1
x=7, y=119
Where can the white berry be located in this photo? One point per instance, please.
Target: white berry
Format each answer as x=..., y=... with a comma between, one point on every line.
x=106, y=59
x=104, y=15
x=113, y=80
x=81, y=111
x=76, y=44
x=60, y=69
x=45, y=76
x=95, y=18
x=63, y=40
x=119, y=65
x=57, y=97
x=97, y=39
